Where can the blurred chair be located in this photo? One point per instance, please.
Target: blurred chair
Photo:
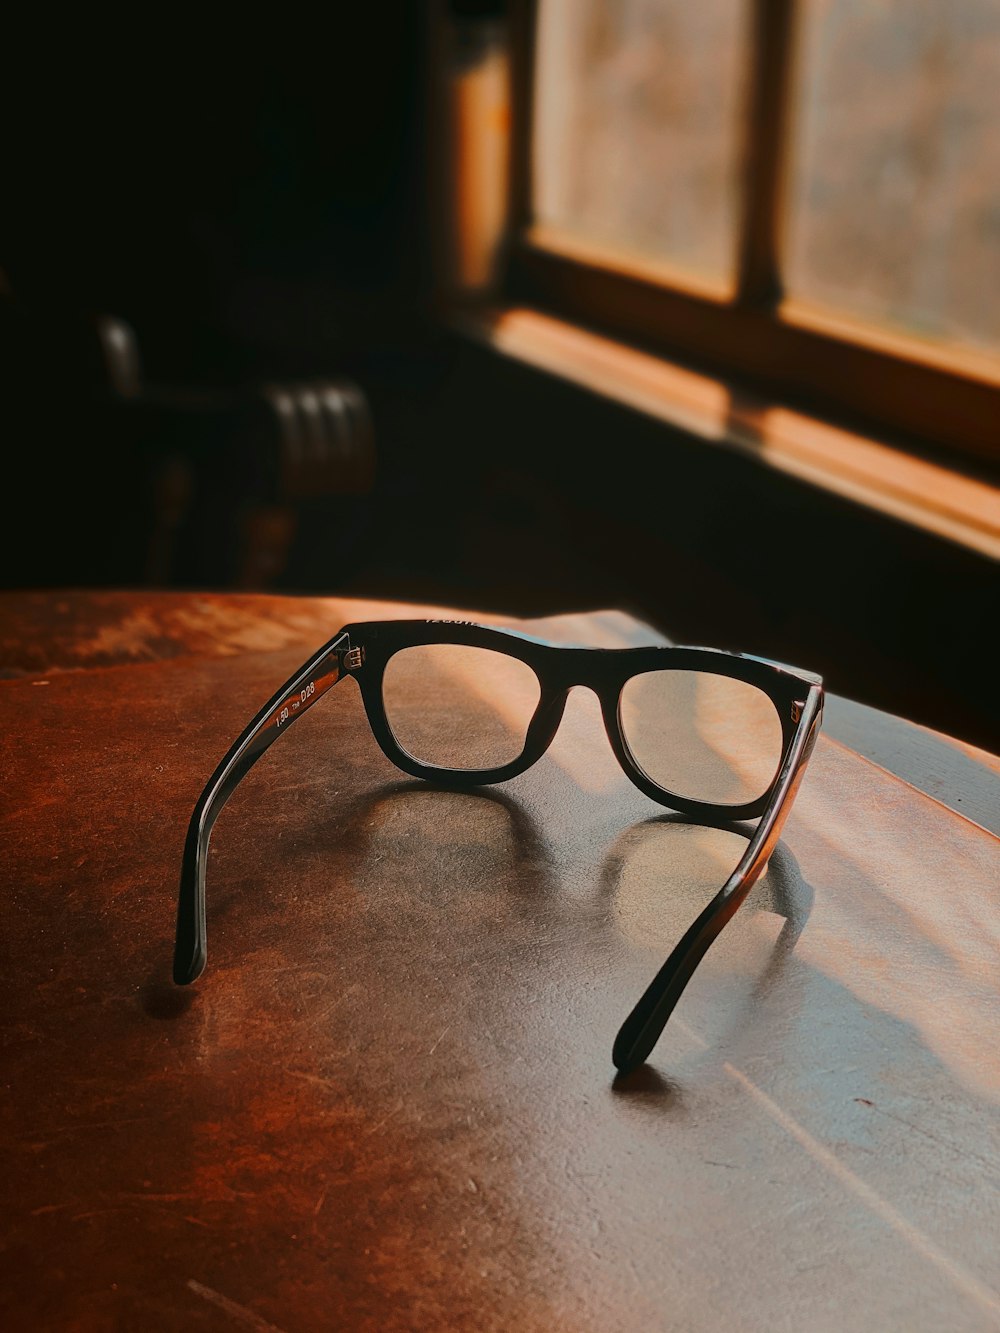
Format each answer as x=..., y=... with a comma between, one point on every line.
x=121, y=480
x=239, y=469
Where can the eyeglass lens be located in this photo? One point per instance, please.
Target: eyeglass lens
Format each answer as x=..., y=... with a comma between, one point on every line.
x=701, y=736
x=459, y=707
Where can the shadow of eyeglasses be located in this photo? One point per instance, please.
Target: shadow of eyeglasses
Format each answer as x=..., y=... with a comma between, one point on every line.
x=447, y=822
x=700, y=857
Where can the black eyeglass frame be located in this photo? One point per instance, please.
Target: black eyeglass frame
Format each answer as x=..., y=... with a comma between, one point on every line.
x=362, y=651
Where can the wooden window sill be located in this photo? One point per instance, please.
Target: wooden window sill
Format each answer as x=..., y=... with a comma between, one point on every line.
x=866, y=471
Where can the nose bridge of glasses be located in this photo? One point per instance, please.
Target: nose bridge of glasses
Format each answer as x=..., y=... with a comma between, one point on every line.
x=566, y=670
x=584, y=668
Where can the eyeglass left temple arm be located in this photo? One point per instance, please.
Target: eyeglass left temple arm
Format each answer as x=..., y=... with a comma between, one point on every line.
x=641, y=1030
x=298, y=693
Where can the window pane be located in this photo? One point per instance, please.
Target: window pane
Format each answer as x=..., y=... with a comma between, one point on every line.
x=638, y=110
x=895, y=198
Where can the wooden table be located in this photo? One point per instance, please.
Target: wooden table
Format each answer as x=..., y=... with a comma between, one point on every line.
x=389, y=1102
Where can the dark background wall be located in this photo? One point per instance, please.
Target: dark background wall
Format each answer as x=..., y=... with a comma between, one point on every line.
x=244, y=199
x=248, y=202
x=256, y=210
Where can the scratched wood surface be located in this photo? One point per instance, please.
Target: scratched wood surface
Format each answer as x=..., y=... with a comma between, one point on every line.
x=389, y=1102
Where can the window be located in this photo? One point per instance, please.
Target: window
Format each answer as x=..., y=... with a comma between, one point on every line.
x=803, y=196
x=636, y=132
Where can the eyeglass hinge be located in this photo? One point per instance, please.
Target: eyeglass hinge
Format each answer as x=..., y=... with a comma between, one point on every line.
x=797, y=707
x=354, y=658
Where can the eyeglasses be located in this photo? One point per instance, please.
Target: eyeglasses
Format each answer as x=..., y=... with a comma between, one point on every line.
x=714, y=735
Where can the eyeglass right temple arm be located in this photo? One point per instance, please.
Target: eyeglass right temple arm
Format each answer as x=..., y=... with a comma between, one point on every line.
x=641, y=1030
x=298, y=694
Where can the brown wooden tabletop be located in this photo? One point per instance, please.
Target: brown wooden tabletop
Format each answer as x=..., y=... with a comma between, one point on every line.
x=389, y=1102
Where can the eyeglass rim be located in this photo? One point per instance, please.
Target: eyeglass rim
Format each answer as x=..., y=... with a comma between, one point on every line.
x=557, y=668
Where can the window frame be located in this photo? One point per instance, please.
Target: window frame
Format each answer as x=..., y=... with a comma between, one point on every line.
x=933, y=399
